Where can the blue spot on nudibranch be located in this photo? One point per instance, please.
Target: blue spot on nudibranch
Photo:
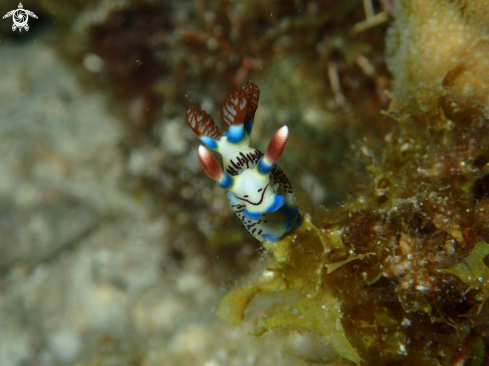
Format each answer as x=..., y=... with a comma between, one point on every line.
x=263, y=168
x=270, y=237
x=227, y=182
x=251, y=216
x=209, y=142
x=278, y=202
x=236, y=134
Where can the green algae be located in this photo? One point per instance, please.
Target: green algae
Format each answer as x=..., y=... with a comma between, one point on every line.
x=234, y=304
x=333, y=266
x=317, y=309
x=473, y=271
x=321, y=313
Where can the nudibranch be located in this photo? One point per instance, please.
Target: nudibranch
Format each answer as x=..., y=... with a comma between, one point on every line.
x=258, y=190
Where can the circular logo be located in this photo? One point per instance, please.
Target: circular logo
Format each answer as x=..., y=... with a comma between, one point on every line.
x=20, y=18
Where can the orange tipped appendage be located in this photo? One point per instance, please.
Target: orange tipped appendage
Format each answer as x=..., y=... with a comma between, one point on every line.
x=276, y=146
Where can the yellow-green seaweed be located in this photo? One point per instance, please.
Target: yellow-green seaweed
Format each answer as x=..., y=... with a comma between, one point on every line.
x=473, y=271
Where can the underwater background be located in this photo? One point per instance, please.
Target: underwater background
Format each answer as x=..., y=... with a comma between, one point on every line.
x=117, y=249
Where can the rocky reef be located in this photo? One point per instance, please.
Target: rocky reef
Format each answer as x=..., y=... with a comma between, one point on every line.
x=400, y=275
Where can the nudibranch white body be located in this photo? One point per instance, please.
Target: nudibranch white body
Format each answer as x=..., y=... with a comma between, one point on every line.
x=259, y=191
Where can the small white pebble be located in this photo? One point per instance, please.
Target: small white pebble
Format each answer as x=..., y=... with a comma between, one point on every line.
x=93, y=62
